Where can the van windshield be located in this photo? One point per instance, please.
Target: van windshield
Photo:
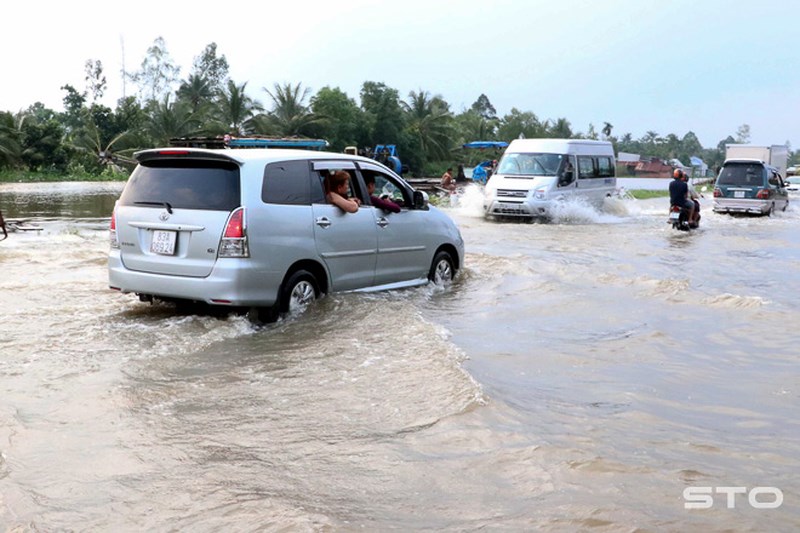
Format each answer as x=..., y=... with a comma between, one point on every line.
x=742, y=175
x=535, y=164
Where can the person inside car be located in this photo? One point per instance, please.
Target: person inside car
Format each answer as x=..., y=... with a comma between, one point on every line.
x=337, y=187
x=381, y=203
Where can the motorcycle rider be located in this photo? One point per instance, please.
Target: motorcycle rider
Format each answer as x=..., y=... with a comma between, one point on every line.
x=679, y=194
x=695, y=197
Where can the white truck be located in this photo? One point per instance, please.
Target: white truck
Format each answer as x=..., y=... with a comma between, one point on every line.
x=776, y=155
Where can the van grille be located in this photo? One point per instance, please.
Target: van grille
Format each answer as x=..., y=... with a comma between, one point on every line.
x=511, y=193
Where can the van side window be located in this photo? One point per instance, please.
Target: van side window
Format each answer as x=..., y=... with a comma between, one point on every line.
x=318, y=195
x=774, y=179
x=287, y=183
x=585, y=167
x=604, y=167
x=386, y=188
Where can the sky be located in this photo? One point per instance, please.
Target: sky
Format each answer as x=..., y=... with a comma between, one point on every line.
x=668, y=66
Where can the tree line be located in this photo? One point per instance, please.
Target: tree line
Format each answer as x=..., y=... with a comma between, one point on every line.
x=88, y=137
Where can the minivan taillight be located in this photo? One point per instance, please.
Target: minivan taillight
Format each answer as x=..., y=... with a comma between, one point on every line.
x=717, y=192
x=234, y=239
x=112, y=230
x=762, y=194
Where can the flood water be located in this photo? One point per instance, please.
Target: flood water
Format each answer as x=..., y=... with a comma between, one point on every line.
x=578, y=375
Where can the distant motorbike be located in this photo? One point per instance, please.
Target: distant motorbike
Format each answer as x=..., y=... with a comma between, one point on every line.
x=679, y=218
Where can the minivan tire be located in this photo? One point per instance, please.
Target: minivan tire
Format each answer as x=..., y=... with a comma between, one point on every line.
x=442, y=269
x=298, y=292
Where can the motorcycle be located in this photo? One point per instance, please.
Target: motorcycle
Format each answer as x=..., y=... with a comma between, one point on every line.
x=679, y=218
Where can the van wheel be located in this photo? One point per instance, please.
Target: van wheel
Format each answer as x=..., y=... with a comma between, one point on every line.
x=442, y=269
x=299, y=291
x=771, y=210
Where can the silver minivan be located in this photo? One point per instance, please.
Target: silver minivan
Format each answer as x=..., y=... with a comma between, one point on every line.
x=251, y=228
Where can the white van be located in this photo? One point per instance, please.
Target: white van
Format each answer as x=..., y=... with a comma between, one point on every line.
x=533, y=173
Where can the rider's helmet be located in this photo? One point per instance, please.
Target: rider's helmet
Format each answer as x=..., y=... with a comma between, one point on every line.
x=677, y=173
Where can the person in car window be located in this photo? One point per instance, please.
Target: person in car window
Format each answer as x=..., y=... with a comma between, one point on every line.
x=337, y=187
x=380, y=203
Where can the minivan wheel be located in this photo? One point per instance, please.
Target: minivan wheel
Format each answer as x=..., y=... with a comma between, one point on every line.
x=299, y=291
x=771, y=210
x=442, y=269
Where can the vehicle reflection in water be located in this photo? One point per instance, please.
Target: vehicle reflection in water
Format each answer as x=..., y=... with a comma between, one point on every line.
x=578, y=374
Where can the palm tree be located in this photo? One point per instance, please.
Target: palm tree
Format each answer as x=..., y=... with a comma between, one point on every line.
x=170, y=120
x=235, y=109
x=290, y=115
x=429, y=121
x=10, y=134
x=196, y=90
x=87, y=139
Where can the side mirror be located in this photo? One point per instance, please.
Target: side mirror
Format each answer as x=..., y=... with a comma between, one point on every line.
x=420, y=200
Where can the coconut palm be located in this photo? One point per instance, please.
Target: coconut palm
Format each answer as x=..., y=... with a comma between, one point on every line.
x=290, y=115
x=197, y=91
x=88, y=139
x=235, y=109
x=430, y=122
x=169, y=120
x=10, y=134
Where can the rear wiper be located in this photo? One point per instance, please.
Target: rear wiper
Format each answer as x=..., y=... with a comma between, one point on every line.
x=164, y=204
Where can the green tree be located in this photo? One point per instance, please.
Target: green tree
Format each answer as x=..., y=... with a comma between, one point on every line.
x=340, y=122
x=472, y=126
x=95, y=79
x=211, y=68
x=561, y=129
x=10, y=140
x=157, y=73
x=743, y=134
x=168, y=120
x=483, y=107
x=429, y=123
x=235, y=109
x=290, y=115
x=197, y=92
x=518, y=124
x=384, y=114
x=101, y=151
x=41, y=143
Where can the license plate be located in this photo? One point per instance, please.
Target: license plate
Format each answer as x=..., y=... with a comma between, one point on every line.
x=674, y=215
x=163, y=242
x=738, y=194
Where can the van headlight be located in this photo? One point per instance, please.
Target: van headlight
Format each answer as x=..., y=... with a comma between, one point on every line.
x=540, y=194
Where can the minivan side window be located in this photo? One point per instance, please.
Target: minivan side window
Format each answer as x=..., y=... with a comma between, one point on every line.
x=318, y=184
x=386, y=187
x=604, y=167
x=585, y=167
x=287, y=183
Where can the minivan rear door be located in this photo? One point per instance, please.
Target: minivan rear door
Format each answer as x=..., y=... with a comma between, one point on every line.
x=173, y=211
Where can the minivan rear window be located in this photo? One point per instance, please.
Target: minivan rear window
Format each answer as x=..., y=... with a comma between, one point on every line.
x=742, y=175
x=184, y=184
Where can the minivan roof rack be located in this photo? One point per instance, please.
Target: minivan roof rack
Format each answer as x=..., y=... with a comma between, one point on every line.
x=255, y=141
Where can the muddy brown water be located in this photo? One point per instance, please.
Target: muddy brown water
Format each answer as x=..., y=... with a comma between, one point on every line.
x=578, y=375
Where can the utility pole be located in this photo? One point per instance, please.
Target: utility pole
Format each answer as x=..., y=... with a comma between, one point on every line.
x=124, y=74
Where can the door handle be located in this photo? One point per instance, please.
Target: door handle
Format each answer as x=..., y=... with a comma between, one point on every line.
x=322, y=222
x=382, y=222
